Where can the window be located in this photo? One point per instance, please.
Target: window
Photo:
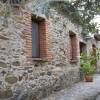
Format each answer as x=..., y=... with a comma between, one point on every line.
x=73, y=43
x=93, y=47
x=35, y=40
x=39, y=38
x=82, y=47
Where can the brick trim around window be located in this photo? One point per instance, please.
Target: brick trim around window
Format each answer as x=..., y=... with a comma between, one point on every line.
x=45, y=55
x=74, y=48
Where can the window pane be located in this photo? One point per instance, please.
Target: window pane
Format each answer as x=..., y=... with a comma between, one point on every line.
x=35, y=40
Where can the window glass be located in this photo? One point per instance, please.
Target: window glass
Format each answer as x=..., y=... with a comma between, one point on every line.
x=35, y=40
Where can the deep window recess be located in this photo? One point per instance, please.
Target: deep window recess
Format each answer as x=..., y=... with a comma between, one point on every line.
x=35, y=40
x=73, y=43
x=94, y=49
x=94, y=53
x=82, y=47
x=39, y=38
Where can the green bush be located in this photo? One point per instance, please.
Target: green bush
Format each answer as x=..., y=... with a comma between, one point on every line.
x=88, y=69
x=88, y=62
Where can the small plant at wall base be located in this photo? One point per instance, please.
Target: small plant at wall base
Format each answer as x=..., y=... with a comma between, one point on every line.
x=88, y=65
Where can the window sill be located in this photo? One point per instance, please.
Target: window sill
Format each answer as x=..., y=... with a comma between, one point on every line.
x=73, y=60
x=39, y=59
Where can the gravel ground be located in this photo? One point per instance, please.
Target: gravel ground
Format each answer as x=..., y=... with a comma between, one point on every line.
x=98, y=97
x=80, y=91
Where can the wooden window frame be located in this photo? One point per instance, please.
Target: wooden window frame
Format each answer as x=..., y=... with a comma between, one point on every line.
x=45, y=54
x=35, y=40
x=42, y=44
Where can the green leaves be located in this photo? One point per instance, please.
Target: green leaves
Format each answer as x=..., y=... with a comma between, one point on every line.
x=88, y=62
x=87, y=10
x=88, y=69
x=81, y=12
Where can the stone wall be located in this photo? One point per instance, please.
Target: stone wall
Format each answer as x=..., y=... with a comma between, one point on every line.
x=24, y=79
x=90, y=43
x=12, y=44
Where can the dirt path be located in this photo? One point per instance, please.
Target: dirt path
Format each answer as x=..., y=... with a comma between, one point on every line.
x=80, y=91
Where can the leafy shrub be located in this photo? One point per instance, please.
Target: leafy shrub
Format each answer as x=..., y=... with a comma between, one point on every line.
x=88, y=62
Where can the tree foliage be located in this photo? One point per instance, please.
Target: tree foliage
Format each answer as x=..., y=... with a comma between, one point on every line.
x=80, y=11
x=87, y=10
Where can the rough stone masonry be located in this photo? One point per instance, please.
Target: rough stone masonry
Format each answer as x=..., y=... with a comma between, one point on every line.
x=25, y=78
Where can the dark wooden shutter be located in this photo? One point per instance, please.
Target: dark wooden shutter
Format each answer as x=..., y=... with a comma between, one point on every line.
x=35, y=40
